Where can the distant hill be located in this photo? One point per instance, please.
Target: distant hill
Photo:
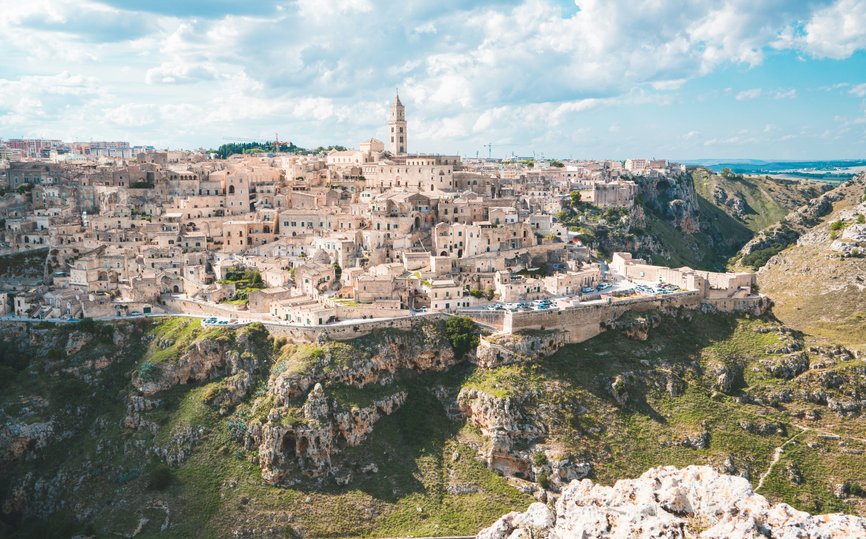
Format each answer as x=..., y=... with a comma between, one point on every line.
x=832, y=171
x=755, y=201
x=703, y=219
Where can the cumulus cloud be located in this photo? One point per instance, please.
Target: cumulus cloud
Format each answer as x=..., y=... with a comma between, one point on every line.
x=836, y=31
x=753, y=93
x=529, y=71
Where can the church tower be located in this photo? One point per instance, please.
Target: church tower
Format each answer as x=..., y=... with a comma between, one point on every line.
x=397, y=126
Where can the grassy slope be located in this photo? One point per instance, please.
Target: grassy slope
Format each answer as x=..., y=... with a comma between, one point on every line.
x=421, y=461
x=424, y=459
x=816, y=291
x=722, y=233
x=768, y=200
x=625, y=441
x=709, y=249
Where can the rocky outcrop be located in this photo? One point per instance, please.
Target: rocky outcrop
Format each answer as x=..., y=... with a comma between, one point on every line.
x=636, y=326
x=666, y=502
x=673, y=197
x=508, y=423
x=848, y=232
x=19, y=440
x=787, y=366
x=735, y=203
x=507, y=348
x=135, y=406
x=179, y=446
x=370, y=361
x=307, y=441
x=205, y=359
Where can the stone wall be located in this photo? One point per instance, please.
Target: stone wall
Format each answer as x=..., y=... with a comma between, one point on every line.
x=582, y=322
x=187, y=306
x=344, y=331
x=492, y=319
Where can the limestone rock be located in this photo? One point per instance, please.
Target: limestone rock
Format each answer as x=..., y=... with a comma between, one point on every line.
x=505, y=349
x=308, y=442
x=668, y=502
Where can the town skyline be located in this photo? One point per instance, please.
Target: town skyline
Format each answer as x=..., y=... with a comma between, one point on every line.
x=567, y=80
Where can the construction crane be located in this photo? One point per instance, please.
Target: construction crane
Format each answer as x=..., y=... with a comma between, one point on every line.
x=489, y=147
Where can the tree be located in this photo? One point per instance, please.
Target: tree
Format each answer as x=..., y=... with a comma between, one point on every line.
x=463, y=334
x=575, y=198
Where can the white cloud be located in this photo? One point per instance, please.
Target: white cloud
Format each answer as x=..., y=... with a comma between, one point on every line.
x=836, y=31
x=133, y=115
x=858, y=90
x=178, y=72
x=471, y=72
x=668, y=84
x=753, y=93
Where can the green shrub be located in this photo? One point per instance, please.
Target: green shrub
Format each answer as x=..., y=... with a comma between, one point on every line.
x=543, y=480
x=87, y=325
x=159, y=477
x=147, y=370
x=463, y=334
x=757, y=259
x=539, y=458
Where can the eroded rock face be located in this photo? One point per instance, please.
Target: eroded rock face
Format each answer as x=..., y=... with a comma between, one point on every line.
x=507, y=422
x=17, y=439
x=426, y=349
x=668, y=502
x=673, y=197
x=307, y=442
x=505, y=349
x=205, y=359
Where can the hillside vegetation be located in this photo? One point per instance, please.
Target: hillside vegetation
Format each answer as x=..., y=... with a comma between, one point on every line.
x=145, y=426
x=82, y=451
x=818, y=282
x=755, y=201
x=700, y=220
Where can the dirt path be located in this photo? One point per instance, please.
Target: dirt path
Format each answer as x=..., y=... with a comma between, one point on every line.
x=777, y=454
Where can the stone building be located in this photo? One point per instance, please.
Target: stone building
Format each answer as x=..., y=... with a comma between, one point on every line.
x=399, y=136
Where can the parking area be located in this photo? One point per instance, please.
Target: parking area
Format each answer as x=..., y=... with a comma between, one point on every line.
x=605, y=291
x=223, y=322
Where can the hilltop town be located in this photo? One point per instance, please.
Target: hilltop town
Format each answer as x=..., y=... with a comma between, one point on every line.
x=320, y=238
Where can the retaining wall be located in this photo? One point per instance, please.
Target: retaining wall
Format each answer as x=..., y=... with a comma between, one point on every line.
x=582, y=322
x=345, y=331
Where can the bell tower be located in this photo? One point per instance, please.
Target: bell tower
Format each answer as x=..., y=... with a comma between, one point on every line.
x=397, y=127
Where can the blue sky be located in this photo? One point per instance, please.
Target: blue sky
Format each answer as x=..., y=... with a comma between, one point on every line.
x=773, y=79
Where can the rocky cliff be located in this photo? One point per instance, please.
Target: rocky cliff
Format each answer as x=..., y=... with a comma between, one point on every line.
x=674, y=198
x=168, y=428
x=800, y=221
x=691, y=502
